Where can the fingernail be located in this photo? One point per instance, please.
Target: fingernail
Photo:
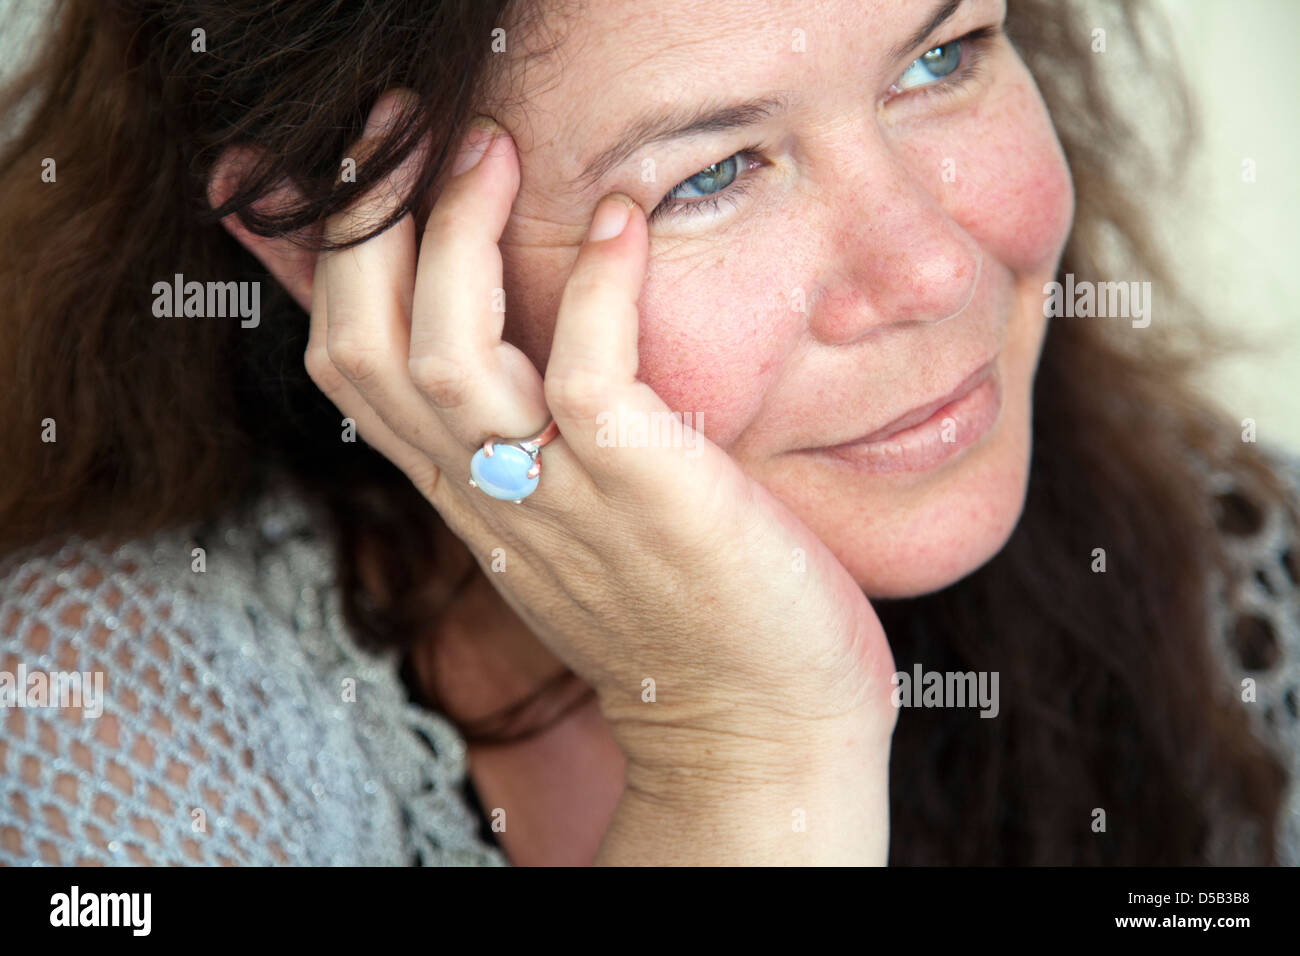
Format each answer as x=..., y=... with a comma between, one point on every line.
x=481, y=133
x=611, y=216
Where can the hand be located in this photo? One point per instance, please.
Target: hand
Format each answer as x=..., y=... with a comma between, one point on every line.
x=627, y=563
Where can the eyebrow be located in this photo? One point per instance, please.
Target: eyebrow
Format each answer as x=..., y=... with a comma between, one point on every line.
x=675, y=121
x=941, y=16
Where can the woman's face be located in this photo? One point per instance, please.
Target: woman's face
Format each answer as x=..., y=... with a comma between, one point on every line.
x=869, y=239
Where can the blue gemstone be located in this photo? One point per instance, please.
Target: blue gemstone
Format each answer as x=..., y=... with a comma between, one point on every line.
x=504, y=475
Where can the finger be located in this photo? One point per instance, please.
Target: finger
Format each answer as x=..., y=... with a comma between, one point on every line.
x=591, y=375
x=415, y=464
x=369, y=288
x=481, y=385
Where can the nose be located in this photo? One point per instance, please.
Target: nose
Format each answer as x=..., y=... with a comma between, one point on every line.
x=895, y=255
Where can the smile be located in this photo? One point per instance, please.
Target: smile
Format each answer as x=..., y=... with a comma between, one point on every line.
x=930, y=435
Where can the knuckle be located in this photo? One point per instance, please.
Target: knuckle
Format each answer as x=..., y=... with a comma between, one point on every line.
x=444, y=381
x=583, y=286
x=576, y=393
x=447, y=222
x=358, y=365
x=321, y=370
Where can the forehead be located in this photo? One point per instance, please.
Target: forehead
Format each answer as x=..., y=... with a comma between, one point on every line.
x=575, y=70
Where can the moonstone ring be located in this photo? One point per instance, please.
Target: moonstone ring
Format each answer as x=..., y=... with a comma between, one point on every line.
x=510, y=468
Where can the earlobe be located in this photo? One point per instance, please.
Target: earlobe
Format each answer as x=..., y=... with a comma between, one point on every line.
x=292, y=266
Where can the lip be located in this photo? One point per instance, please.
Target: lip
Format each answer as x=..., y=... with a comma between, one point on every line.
x=931, y=434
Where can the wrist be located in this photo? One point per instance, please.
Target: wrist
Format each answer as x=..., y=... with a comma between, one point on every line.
x=827, y=804
x=734, y=740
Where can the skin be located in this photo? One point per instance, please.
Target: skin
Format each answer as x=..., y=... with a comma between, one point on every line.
x=911, y=279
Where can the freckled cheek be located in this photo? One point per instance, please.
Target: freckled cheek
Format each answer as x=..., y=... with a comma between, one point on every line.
x=712, y=339
x=1012, y=189
x=1028, y=204
x=713, y=342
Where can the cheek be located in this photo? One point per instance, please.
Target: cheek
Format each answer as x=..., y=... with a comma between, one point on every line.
x=1012, y=189
x=713, y=335
x=712, y=330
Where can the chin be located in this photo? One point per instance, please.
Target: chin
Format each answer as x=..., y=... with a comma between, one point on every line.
x=937, y=543
x=912, y=534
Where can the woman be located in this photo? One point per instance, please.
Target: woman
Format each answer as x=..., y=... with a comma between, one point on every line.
x=814, y=440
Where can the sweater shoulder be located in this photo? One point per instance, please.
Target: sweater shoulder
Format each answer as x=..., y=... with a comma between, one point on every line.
x=204, y=702
x=1255, y=612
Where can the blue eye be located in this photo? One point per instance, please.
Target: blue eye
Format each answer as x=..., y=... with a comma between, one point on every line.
x=931, y=66
x=724, y=181
x=708, y=181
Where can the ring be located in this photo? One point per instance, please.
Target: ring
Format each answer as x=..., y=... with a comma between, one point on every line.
x=510, y=468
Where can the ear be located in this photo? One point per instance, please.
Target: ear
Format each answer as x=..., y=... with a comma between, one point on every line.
x=292, y=266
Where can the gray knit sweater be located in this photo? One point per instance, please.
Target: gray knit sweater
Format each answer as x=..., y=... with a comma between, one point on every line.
x=241, y=724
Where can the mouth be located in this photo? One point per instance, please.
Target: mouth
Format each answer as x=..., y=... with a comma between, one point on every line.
x=929, y=434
